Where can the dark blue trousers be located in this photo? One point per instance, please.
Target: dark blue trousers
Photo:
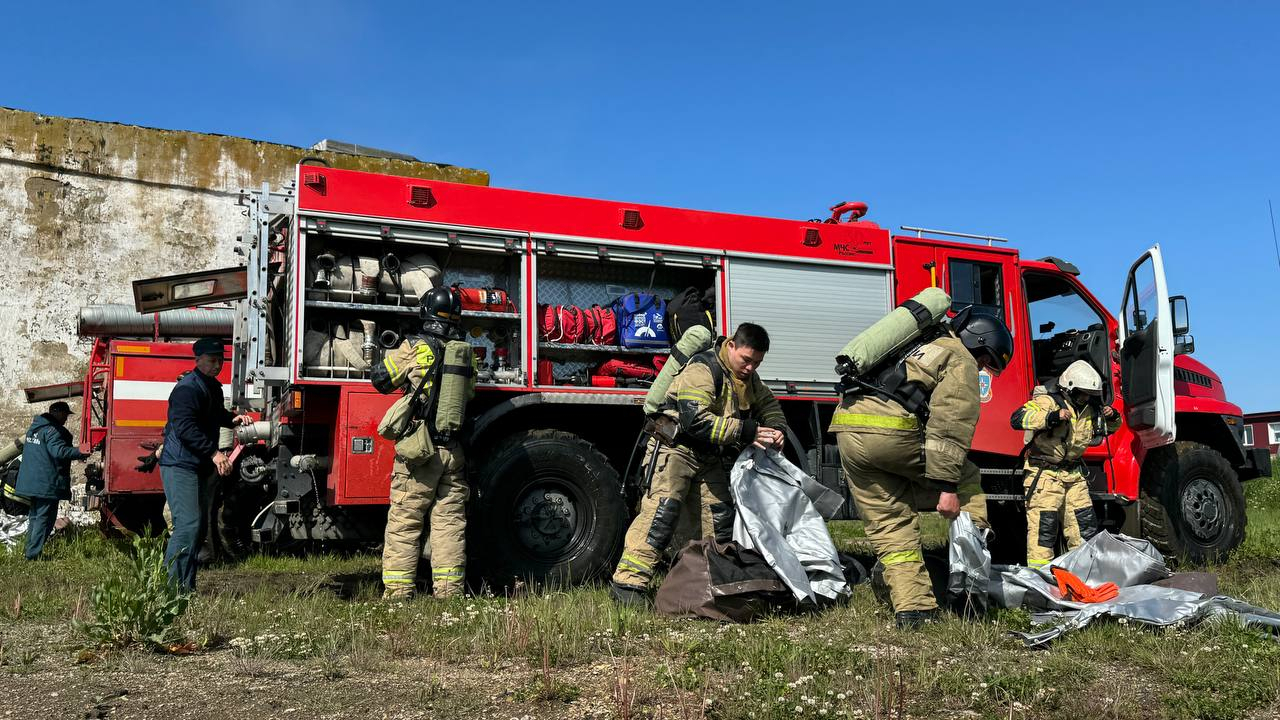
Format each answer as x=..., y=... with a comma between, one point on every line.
x=189, y=496
x=40, y=524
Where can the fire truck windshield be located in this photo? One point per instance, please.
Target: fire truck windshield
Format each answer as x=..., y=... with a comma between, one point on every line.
x=1059, y=315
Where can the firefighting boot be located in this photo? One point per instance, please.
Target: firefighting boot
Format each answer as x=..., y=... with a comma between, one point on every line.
x=630, y=596
x=914, y=619
x=399, y=594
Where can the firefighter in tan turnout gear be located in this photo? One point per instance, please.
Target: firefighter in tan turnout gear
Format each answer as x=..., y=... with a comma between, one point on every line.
x=437, y=374
x=905, y=445
x=717, y=405
x=1061, y=422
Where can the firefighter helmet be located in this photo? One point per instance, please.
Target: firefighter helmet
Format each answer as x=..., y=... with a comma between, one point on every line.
x=1081, y=376
x=441, y=311
x=986, y=337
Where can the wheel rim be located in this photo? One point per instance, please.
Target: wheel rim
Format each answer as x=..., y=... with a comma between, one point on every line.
x=549, y=519
x=1202, y=509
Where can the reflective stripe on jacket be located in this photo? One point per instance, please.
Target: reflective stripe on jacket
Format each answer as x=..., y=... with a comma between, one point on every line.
x=724, y=416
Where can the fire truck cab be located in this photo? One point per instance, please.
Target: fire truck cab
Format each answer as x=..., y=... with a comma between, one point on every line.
x=335, y=261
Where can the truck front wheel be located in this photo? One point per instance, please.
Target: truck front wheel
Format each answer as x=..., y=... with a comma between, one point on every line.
x=549, y=509
x=1192, y=503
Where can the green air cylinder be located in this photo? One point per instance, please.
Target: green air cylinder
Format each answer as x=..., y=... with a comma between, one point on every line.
x=10, y=450
x=893, y=331
x=695, y=340
x=457, y=384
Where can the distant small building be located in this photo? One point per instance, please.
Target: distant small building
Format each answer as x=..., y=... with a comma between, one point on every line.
x=1263, y=430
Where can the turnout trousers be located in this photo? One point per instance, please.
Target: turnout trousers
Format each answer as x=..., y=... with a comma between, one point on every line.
x=885, y=473
x=1057, y=500
x=689, y=493
x=431, y=496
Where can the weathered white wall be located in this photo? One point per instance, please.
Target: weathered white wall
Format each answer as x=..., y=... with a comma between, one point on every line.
x=87, y=207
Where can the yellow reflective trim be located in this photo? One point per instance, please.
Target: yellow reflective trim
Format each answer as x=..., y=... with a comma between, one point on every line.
x=423, y=355
x=1038, y=563
x=716, y=426
x=9, y=493
x=390, y=365
x=397, y=573
x=634, y=563
x=133, y=348
x=697, y=395
x=880, y=421
x=902, y=556
x=447, y=572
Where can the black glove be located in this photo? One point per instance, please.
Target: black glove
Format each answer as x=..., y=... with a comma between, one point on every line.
x=147, y=463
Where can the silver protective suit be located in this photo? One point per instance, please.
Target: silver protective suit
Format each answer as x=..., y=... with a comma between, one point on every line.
x=781, y=514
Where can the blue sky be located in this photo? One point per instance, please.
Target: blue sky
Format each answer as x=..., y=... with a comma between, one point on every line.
x=1084, y=130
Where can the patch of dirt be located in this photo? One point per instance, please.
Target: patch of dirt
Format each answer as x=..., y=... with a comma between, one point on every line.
x=223, y=684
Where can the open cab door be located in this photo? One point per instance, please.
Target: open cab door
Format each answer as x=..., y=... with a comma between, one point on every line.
x=1146, y=352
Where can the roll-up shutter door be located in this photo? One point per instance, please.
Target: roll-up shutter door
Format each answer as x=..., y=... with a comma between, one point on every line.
x=810, y=312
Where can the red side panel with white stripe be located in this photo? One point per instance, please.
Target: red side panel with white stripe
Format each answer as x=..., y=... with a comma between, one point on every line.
x=139, y=380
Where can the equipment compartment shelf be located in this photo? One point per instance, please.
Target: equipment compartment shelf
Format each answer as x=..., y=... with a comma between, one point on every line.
x=577, y=347
x=403, y=309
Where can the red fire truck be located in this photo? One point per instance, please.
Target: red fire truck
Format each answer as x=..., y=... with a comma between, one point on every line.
x=551, y=461
x=133, y=364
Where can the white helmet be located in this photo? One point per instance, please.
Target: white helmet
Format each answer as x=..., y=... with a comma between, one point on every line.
x=1080, y=375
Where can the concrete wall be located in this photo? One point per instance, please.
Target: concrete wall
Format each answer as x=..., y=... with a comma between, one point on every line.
x=87, y=207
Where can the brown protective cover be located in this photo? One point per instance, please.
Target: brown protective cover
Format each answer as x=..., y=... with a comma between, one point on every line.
x=1200, y=582
x=721, y=581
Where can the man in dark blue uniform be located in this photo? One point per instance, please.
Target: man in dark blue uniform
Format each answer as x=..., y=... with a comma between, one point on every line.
x=45, y=474
x=190, y=460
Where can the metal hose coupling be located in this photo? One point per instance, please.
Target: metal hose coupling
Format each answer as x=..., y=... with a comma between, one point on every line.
x=260, y=430
x=368, y=329
x=389, y=339
x=309, y=463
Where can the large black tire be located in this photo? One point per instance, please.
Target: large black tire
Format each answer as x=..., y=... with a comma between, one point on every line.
x=549, y=510
x=1192, y=503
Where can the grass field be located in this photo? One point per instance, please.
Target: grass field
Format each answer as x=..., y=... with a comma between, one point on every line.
x=307, y=637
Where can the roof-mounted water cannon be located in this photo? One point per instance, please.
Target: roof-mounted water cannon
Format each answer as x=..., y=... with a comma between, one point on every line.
x=856, y=211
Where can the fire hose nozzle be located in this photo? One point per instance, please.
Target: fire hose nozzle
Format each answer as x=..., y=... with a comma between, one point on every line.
x=326, y=263
x=368, y=330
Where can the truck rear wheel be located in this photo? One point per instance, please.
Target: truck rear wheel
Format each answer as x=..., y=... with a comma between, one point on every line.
x=1192, y=503
x=550, y=509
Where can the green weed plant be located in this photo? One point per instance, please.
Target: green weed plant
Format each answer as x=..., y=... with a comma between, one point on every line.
x=136, y=604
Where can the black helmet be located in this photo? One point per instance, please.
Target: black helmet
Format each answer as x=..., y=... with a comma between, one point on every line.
x=441, y=311
x=988, y=340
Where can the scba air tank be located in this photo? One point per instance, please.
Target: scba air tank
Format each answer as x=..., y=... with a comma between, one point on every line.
x=695, y=340
x=893, y=332
x=456, y=386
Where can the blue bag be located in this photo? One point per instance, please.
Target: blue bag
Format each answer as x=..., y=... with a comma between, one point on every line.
x=642, y=321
